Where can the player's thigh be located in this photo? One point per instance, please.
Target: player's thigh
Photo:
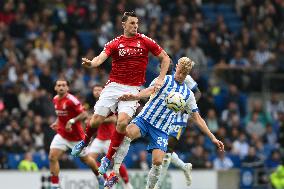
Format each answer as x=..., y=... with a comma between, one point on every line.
x=100, y=113
x=122, y=121
x=97, y=119
x=55, y=154
x=127, y=107
x=133, y=131
x=157, y=156
x=57, y=147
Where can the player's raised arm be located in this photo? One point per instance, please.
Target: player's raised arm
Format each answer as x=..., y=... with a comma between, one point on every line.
x=196, y=118
x=98, y=60
x=165, y=63
x=145, y=93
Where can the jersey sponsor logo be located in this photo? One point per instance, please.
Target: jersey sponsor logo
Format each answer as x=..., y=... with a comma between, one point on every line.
x=129, y=51
x=61, y=112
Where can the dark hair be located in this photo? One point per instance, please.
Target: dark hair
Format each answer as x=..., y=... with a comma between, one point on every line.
x=62, y=79
x=128, y=14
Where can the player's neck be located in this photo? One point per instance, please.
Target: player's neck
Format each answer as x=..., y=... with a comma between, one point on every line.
x=62, y=95
x=128, y=35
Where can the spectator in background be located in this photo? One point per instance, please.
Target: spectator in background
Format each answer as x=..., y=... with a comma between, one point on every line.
x=262, y=54
x=257, y=107
x=251, y=159
x=198, y=158
x=222, y=162
x=212, y=120
x=254, y=126
x=196, y=53
x=273, y=105
x=239, y=61
x=27, y=163
x=240, y=146
x=273, y=160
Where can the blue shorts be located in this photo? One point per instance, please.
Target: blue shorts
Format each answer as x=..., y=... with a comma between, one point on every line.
x=157, y=138
x=178, y=131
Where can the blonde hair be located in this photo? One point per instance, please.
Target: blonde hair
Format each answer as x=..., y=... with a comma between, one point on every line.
x=186, y=63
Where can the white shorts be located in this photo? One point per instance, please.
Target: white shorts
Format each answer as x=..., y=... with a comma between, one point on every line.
x=108, y=100
x=61, y=143
x=99, y=146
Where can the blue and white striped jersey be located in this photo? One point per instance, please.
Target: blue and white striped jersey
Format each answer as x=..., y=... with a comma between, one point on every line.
x=181, y=118
x=156, y=112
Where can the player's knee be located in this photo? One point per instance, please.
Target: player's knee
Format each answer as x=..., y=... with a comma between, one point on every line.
x=52, y=158
x=121, y=125
x=157, y=161
x=96, y=121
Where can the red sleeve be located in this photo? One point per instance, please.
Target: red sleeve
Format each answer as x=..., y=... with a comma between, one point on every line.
x=154, y=48
x=109, y=46
x=78, y=108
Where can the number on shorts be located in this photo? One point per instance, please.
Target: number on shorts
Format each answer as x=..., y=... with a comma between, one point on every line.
x=162, y=141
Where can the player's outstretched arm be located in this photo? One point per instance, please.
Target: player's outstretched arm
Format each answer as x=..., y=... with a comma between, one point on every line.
x=165, y=63
x=82, y=116
x=98, y=60
x=203, y=127
x=145, y=93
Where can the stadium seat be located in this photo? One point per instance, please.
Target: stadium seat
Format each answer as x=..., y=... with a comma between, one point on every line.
x=224, y=8
x=235, y=159
x=41, y=160
x=14, y=160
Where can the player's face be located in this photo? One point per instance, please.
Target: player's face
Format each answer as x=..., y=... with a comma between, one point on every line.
x=97, y=91
x=130, y=27
x=61, y=87
x=180, y=74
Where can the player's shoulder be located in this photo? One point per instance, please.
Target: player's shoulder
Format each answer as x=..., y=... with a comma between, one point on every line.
x=144, y=37
x=55, y=98
x=115, y=40
x=72, y=99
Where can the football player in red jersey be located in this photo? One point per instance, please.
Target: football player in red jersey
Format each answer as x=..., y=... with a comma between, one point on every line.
x=102, y=141
x=69, y=131
x=129, y=53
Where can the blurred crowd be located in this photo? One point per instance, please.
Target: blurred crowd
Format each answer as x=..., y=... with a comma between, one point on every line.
x=41, y=40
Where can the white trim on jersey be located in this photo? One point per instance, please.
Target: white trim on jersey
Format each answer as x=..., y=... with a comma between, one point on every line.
x=73, y=99
x=156, y=112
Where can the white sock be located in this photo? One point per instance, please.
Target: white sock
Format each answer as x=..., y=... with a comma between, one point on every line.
x=153, y=176
x=121, y=153
x=177, y=162
x=164, y=169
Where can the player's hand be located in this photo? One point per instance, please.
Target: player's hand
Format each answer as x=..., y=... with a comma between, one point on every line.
x=68, y=126
x=158, y=84
x=86, y=62
x=53, y=126
x=219, y=144
x=128, y=97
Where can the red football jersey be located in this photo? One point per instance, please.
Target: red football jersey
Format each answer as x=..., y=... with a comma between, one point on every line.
x=130, y=58
x=105, y=131
x=67, y=108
